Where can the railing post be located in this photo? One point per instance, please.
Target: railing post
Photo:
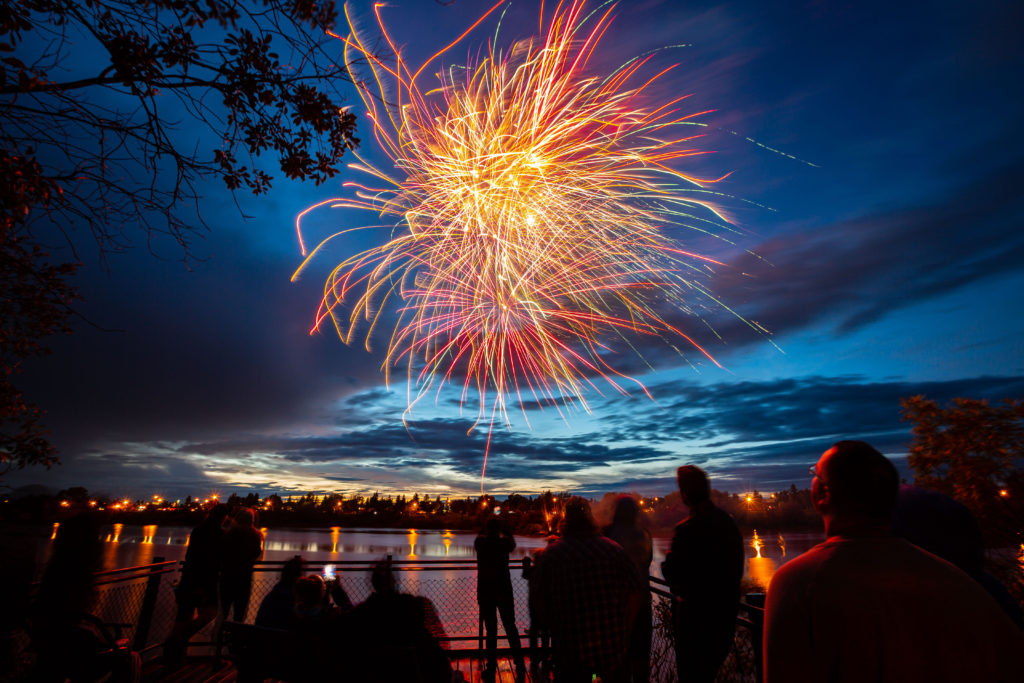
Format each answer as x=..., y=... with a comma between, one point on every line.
x=148, y=605
x=757, y=633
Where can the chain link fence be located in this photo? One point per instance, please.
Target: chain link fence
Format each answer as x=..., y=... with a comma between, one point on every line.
x=450, y=586
x=140, y=603
x=137, y=603
x=742, y=665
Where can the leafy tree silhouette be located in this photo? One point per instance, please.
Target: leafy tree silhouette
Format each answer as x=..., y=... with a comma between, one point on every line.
x=112, y=114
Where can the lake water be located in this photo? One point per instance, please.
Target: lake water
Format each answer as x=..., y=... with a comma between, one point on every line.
x=453, y=590
x=127, y=546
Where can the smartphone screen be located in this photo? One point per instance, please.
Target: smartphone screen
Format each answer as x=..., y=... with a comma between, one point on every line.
x=328, y=571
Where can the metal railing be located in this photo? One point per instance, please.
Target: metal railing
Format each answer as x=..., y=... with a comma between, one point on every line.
x=134, y=599
x=140, y=601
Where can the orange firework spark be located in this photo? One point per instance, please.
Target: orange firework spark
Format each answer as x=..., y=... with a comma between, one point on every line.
x=528, y=208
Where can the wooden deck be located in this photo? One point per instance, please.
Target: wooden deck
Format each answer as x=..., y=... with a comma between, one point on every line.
x=220, y=670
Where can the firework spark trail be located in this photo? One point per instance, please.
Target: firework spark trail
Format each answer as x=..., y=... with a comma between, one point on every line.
x=528, y=210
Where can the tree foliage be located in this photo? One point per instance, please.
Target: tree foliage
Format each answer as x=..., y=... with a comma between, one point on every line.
x=112, y=116
x=971, y=450
x=974, y=452
x=35, y=297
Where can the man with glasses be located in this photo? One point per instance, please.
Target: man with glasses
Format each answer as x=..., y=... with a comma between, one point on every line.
x=867, y=606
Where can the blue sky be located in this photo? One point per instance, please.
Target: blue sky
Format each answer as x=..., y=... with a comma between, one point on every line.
x=890, y=262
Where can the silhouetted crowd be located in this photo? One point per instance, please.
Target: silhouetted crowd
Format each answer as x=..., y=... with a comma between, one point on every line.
x=896, y=592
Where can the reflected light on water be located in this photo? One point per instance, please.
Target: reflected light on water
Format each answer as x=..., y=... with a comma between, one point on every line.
x=148, y=532
x=756, y=544
x=117, y=532
x=56, y=525
x=412, y=544
x=760, y=570
x=782, y=545
x=335, y=533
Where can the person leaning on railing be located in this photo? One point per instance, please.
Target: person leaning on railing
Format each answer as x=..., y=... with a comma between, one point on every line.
x=703, y=567
x=196, y=593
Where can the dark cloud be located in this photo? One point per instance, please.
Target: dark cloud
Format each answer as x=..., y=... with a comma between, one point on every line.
x=176, y=354
x=747, y=435
x=790, y=410
x=846, y=275
x=860, y=270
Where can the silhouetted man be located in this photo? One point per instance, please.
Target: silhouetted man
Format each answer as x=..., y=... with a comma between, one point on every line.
x=387, y=627
x=196, y=593
x=868, y=606
x=588, y=591
x=704, y=568
x=494, y=592
x=627, y=531
x=242, y=546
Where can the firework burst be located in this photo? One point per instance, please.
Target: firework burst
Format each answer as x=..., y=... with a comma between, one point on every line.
x=528, y=208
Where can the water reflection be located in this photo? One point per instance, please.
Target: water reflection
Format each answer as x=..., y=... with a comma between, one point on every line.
x=756, y=544
x=116, y=536
x=130, y=545
x=145, y=554
x=110, y=557
x=760, y=570
x=56, y=525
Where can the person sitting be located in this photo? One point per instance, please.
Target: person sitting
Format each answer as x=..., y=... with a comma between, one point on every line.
x=278, y=608
x=310, y=599
x=398, y=630
x=868, y=606
x=321, y=629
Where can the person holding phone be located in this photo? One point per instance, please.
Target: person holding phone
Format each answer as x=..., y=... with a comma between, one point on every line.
x=494, y=592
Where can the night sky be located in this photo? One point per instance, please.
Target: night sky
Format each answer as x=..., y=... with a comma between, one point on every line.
x=877, y=167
